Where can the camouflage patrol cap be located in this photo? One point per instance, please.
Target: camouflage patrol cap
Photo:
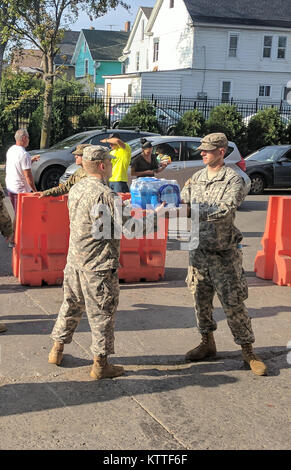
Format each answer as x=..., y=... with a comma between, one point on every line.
x=213, y=141
x=79, y=149
x=96, y=153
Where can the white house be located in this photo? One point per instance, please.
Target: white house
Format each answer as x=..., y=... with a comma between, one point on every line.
x=225, y=49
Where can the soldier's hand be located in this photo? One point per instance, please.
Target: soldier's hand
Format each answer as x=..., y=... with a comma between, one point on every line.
x=10, y=241
x=40, y=195
x=160, y=207
x=35, y=158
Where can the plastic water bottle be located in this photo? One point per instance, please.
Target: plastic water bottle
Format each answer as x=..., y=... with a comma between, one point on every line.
x=151, y=192
x=170, y=193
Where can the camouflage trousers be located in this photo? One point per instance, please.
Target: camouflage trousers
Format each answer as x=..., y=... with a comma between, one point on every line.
x=97, y=293
x=220, y=272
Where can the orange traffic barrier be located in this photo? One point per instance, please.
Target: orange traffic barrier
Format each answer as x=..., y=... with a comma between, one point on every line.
x=264, y=261
x=282, y=265
x=41, y=239
x=274, y=260
x=144, y=259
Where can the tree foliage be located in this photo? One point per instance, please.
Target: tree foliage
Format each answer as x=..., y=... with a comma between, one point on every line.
x=92, y=117
x=225, y=118
x=266, y=128
x=192, y=124
x=143, y=116
x=42, y=22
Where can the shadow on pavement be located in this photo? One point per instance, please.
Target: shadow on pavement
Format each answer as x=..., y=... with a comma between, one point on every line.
x=248, y=206
x=145, y=317
x=156, y=376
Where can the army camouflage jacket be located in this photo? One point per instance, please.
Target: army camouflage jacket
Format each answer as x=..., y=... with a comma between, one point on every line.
x=5, y=220
x=87, y=250
x=218, y=200
x=65, y=188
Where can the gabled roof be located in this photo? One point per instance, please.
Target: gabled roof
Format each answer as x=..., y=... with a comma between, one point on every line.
x=27, y=60
x=275, y=13
x=105, y=45
x=67, y=47
x=147, y=11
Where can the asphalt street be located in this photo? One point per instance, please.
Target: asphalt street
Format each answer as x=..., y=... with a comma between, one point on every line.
x=161, y=402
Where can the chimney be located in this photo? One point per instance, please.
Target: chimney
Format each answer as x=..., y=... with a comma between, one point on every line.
x=127, y=27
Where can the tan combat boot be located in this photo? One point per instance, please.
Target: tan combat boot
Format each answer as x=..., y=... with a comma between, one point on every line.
x=2, y=328
x=102, y=369
x=206, y=348
x=255, y=363
x=56, y=353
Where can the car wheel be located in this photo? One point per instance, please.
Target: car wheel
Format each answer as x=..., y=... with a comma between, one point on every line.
x=50, y=177
x=257, y=184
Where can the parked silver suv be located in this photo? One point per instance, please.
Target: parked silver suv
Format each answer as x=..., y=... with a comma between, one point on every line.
x=54, y=161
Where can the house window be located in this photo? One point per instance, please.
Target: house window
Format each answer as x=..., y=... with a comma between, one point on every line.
x=267, y=46
x=287, y=94
x=142, y=30
x=85, y=47
x=282, y=42
x=86, y=66
x=129, y=89
x=225, y=91
x=147, y=59
x=265, y=90
x=171, y=3
x=156, y=50
x=137, y=62
x=233, y=41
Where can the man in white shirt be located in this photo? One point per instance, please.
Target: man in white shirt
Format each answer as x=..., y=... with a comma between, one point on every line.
x=19, y=178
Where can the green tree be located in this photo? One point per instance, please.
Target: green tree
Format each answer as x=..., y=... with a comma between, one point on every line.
x=92, y=117
x=141, y=115
x=226, y=118
x=61, y=124
x=266, y=128
x=42, y=22
x=5, y=19
x=16, y=83
x=192, y=124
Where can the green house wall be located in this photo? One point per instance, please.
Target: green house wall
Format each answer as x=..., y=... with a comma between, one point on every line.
x=105, y=68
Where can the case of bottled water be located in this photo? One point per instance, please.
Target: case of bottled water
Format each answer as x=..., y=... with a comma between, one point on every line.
x=150, y=192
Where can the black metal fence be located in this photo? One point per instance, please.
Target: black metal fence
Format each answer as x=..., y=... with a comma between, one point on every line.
x=169, y=109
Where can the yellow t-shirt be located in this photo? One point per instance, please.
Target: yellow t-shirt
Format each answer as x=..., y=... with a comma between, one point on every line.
x=120, y=163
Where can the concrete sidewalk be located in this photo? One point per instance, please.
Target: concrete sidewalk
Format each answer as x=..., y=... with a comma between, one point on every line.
x=161, y=402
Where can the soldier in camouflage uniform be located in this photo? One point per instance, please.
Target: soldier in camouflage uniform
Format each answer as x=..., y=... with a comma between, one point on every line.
x=216, y=264
x=90, y=277
x=6, y=229
x=73, y=179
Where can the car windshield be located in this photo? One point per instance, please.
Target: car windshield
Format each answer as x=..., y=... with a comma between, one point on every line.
x=70, y=141
x=267, y=154
x=136, y=144
x=172, y=113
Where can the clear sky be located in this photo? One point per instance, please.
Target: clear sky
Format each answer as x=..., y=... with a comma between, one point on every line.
x=115, y=19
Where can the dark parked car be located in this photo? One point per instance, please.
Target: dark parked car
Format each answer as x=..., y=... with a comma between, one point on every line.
x=54, y=161
x=269, y=167
x=167, y=118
